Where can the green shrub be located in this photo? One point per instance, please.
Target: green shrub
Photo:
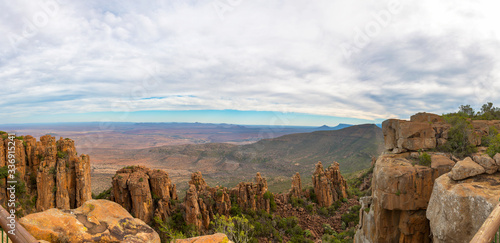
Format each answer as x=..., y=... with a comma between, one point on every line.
x=141, y=179
x=106, y=194
x=61, y=154
x=459, y=137
x=424, y=159
x=238, y=229
x=323, y=211
x=52, y=170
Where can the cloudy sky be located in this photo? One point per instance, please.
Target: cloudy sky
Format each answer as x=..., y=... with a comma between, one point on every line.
x=249, y=62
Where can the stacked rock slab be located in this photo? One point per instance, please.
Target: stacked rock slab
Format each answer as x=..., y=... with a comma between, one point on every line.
x=202, y=202
x=144, y=192
x=51, y=170
x=329, y=186
x=400, y=194
x=462, y=199
x=250, y=196
x=94, y=221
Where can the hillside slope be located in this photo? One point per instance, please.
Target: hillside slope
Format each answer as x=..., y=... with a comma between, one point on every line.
x=277, y=159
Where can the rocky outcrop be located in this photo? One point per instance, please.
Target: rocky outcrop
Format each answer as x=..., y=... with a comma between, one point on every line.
x=329, y=186
x=251, y=196
x=296, y=190
x=427, y=131
x=145, y=193
x=203, y=202
x=94, y=221
x=423, y=131
x=401, y=191
x=51, y=170
x=457, y=209
x=215, y=238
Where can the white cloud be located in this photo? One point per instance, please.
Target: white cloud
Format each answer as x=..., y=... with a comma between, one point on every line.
x=100, y=56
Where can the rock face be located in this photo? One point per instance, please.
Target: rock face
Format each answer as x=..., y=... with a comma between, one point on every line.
x=144, y=192
x=51, y=170
x=457, y=209
x=203, y=202
x=400, y=194
x=215, y=238
x=251, y=196
x=329, y=186
x=94, y=221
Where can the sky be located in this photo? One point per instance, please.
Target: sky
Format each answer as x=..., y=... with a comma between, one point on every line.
x=292, y=62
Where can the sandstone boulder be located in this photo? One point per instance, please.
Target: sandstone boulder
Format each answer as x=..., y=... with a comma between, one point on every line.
x=466, y=168
x=215, y=238
x=489, y=164
x=94, y=221
x=457, y=209
x=497, y=160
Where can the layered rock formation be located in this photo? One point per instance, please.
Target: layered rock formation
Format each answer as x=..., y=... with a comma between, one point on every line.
x=203, y=202
x=51, y=170
x=462, y=199
x=144, y=192
x=329, y=186
x=251, y=196
x=94, y=221
x=400, y=193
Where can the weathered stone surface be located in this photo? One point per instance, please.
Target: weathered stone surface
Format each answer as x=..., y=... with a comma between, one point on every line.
x=457, y=210
x=94, y=221
x=145, y=193
x=296, y=190
x=400, y=194
x=466, y=168
x=215, y=238
x=489, y=164
x=497, y=160
x=329, y=186
x=426, y=117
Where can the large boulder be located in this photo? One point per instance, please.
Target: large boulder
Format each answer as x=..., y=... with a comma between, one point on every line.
x=466, y=168
x=94, y=221
x=215, y=238
x=457, y=209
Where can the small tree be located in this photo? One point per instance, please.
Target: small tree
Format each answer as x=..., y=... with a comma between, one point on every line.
x=238, y=229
